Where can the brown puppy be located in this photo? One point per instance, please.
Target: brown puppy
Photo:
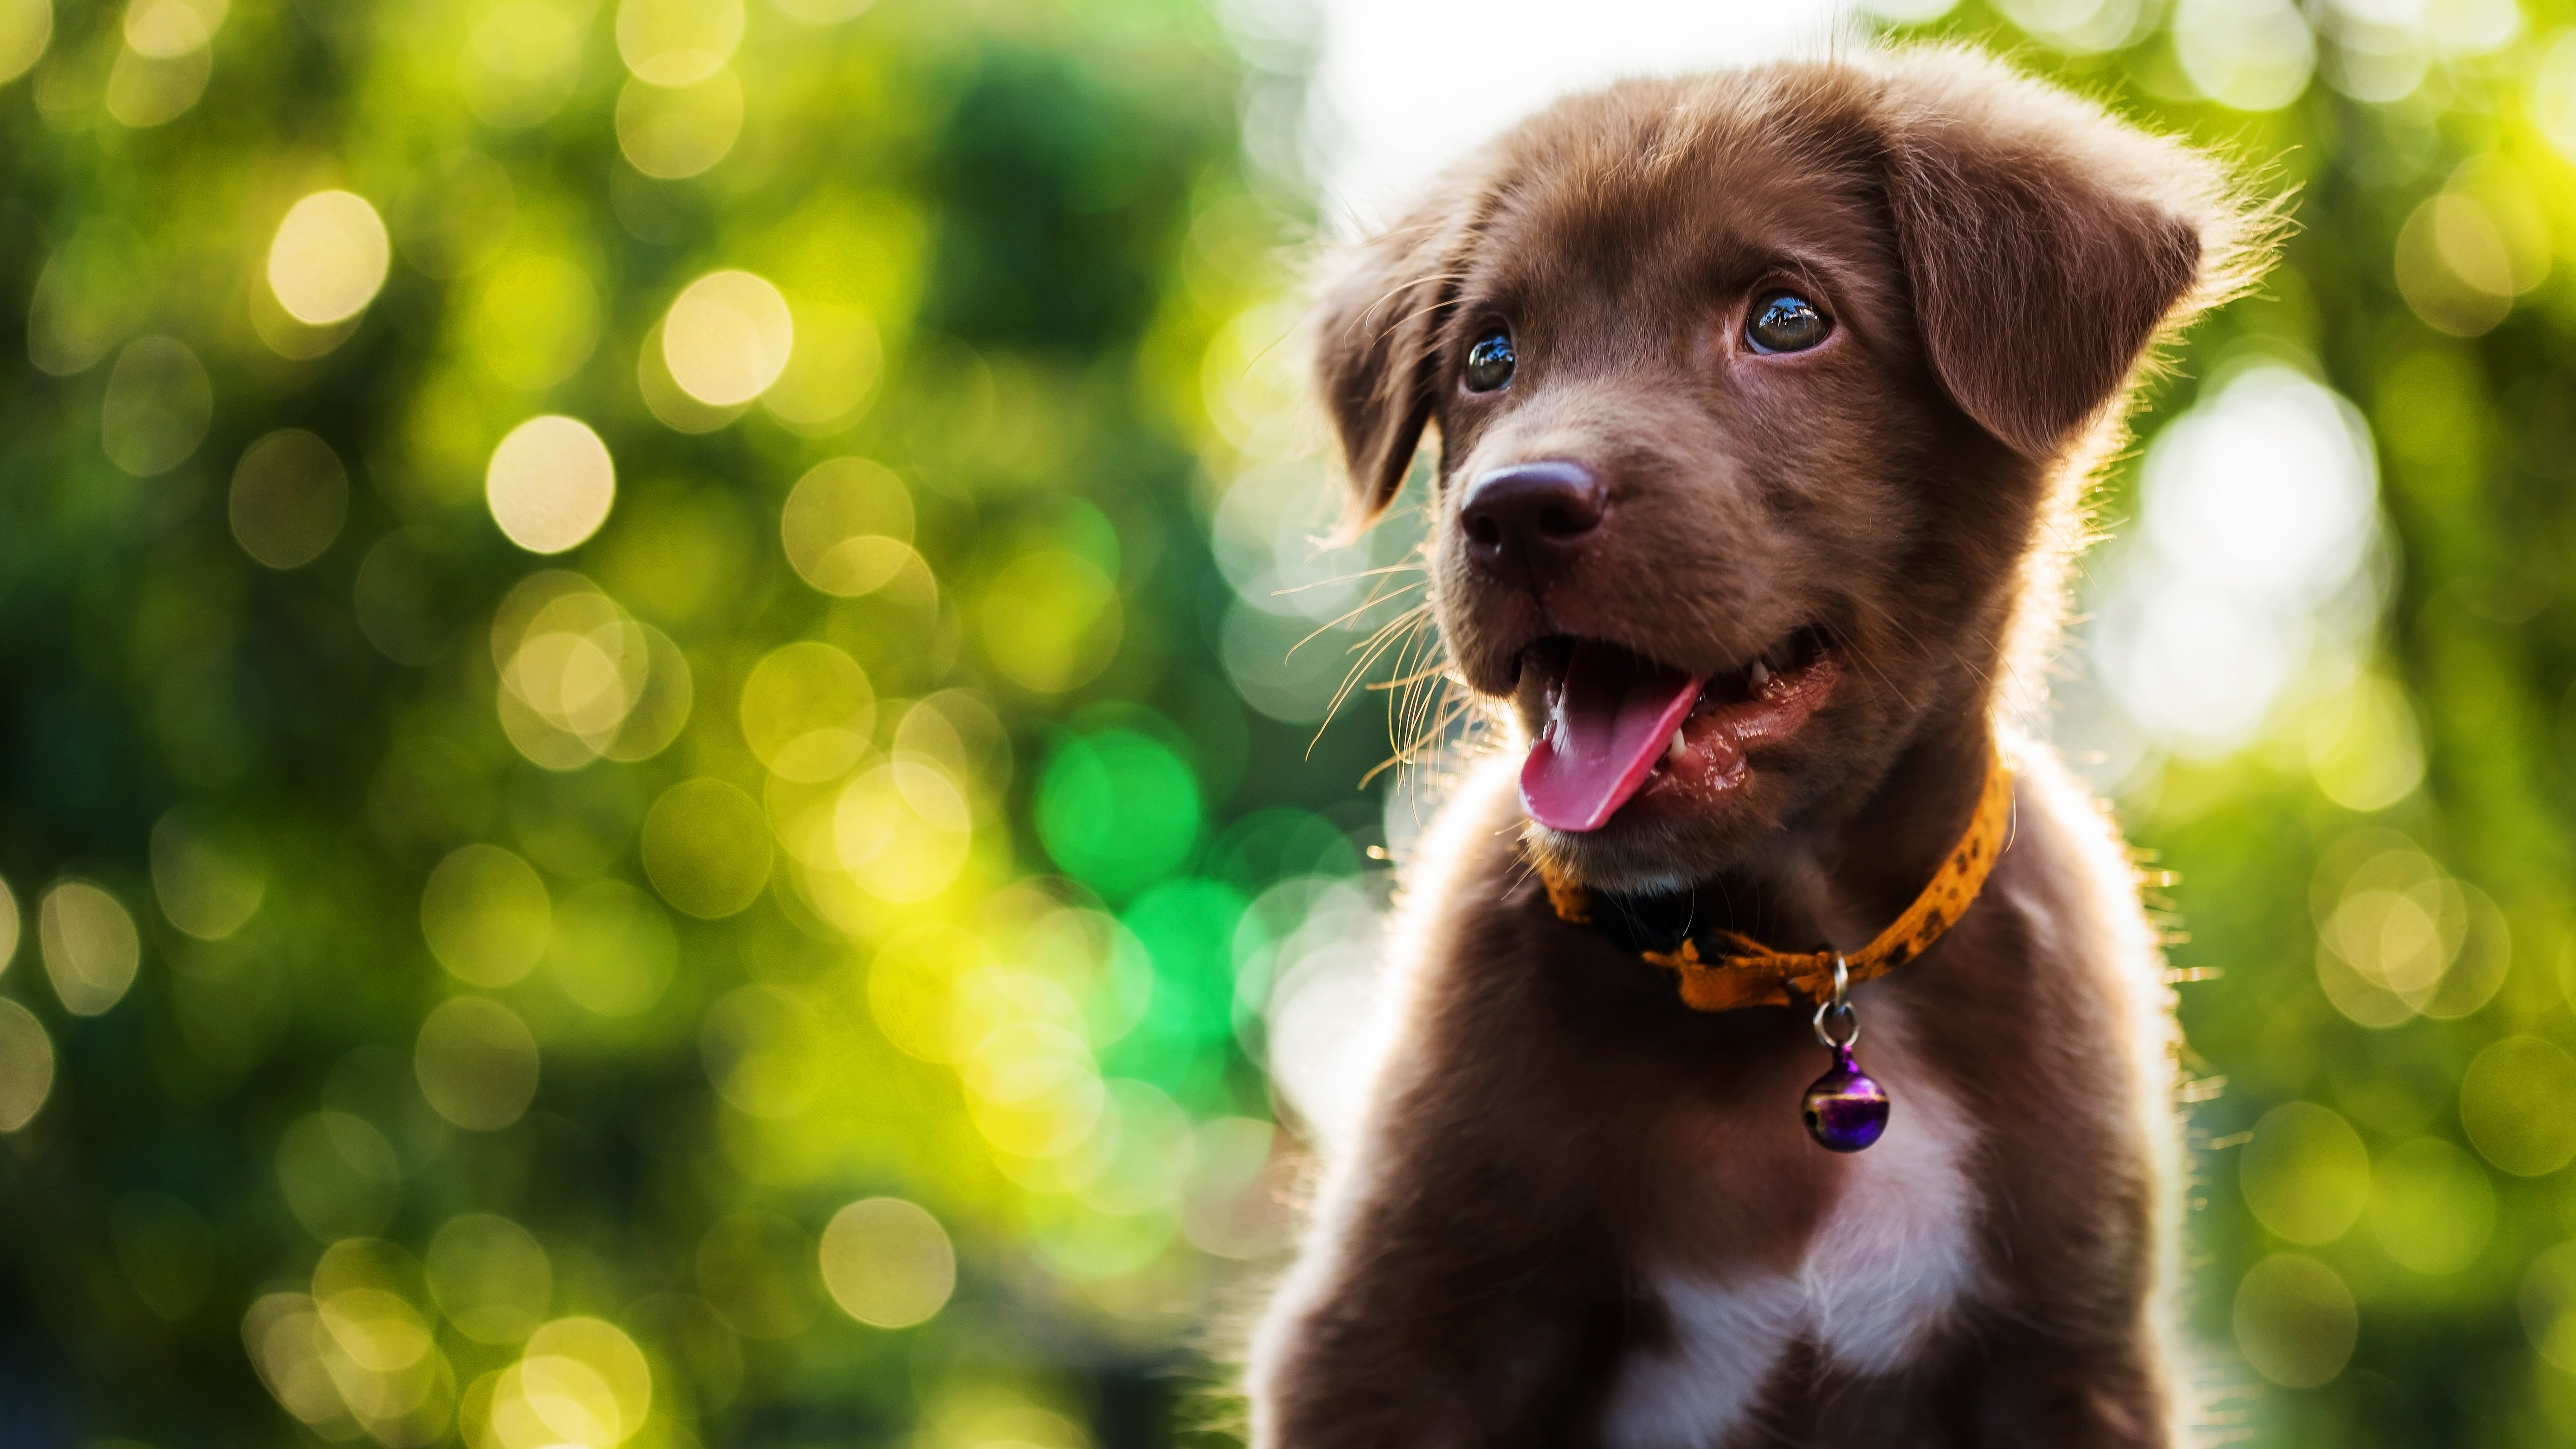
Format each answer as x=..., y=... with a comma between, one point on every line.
x=1777, y=388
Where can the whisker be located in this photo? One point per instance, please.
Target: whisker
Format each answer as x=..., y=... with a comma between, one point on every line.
x=1368, y=651
x=1366, y=605
x=1350, y=578
x=1407, y=681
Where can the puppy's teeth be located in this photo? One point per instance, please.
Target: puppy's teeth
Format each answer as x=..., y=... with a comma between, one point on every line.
x=1676, y=750
x=1759, y=675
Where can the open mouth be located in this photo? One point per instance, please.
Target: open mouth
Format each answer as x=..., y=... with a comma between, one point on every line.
x=1619, y=724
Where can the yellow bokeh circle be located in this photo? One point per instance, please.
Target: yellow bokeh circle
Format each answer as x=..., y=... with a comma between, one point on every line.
x=169, y=29
x=677, y=42
x=903, y=830
x=26, y=1065
x=807, y=709
x=477, y=1063
x=91, y=948
x=26, y=28
x=9, y=926
x=1051, y=621
x=888, y=1263
x=329, y=257
x=673, y=132
x=2306, y=1174
x=727, y=338
x=2518, y=1104
x=550, y=484
x=706, y=848
x=490, y=1277
x=486, y=915
x=847, y=526
x=2295, y=1321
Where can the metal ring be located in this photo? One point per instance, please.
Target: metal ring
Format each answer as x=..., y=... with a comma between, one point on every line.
x=1838, y=1006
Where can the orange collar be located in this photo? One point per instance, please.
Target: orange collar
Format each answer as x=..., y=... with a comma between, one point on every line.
x=1734, y=970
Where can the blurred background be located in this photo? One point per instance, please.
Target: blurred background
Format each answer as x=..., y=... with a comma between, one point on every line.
x=664, y=664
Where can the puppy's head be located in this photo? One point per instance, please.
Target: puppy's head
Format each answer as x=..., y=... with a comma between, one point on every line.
x=1758, y=395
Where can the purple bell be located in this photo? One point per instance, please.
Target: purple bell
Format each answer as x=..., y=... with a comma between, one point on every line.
x=1845, y=1110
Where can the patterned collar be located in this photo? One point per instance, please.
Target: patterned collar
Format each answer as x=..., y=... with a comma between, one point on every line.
x=1722, y=970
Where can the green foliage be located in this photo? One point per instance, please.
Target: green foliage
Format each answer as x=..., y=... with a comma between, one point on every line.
x=605, y=725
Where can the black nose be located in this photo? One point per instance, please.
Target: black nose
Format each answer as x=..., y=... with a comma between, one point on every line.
x=1530, y=519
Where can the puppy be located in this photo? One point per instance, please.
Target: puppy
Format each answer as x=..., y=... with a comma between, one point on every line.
x=1763, y=403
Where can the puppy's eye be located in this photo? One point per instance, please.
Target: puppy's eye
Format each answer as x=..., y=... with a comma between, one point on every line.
x=1785, y=322
x=1490, y=361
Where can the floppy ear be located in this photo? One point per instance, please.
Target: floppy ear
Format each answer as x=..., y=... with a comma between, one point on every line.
x=2047, y=242
x=1374, y=327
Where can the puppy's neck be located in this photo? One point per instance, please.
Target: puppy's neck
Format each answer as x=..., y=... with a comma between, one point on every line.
x=1838, y=885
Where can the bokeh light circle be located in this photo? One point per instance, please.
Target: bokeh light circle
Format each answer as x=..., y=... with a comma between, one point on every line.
x=586, y=1352
x=550, y=484
x=168, y=29
x=847, y=526
x=2432, y=1206
x=486, y=915
x=614, y=952
x=1117, y=810
x=477, y=1063
x=162, y=69
x=1051, y=620
x=158, y=403
x=490, y=1277
x=209, y=879
x=2549, y=1305
x=888, y=1263
x=727, y=338
x=90, y=946
x=10, y=925
x=2306, y=1174
x=677, y=42
x=822, y=12
x=706, y=848
x=675, y=132
x=902, y=831
x=807, y=709
x=290, y=496
x=26, y=27
x=329, y=257
x=2518, y=1104
x=2295, y=1321
x=26, y=1065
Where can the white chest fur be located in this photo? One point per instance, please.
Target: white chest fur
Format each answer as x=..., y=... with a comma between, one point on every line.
x=1892, y=1257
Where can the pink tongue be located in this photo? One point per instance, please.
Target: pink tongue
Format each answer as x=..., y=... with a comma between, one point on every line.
x=1615, y=714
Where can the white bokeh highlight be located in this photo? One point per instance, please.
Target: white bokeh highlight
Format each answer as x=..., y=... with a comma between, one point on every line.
x=2249, y=565
x=1402, y=89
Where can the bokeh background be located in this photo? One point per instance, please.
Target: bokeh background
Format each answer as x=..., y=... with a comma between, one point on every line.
x=664, y=664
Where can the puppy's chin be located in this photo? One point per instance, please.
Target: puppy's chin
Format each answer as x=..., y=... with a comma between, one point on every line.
x=1641, y=857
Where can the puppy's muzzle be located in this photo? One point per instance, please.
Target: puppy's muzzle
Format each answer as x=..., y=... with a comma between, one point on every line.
x=1527, y=522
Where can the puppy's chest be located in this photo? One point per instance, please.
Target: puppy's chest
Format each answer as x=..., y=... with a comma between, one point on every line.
x=1891, y=1259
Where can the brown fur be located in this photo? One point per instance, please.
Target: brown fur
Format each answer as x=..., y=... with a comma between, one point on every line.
x=1554, y=1134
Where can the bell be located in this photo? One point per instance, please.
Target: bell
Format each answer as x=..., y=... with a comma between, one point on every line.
x=1845, y=1110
